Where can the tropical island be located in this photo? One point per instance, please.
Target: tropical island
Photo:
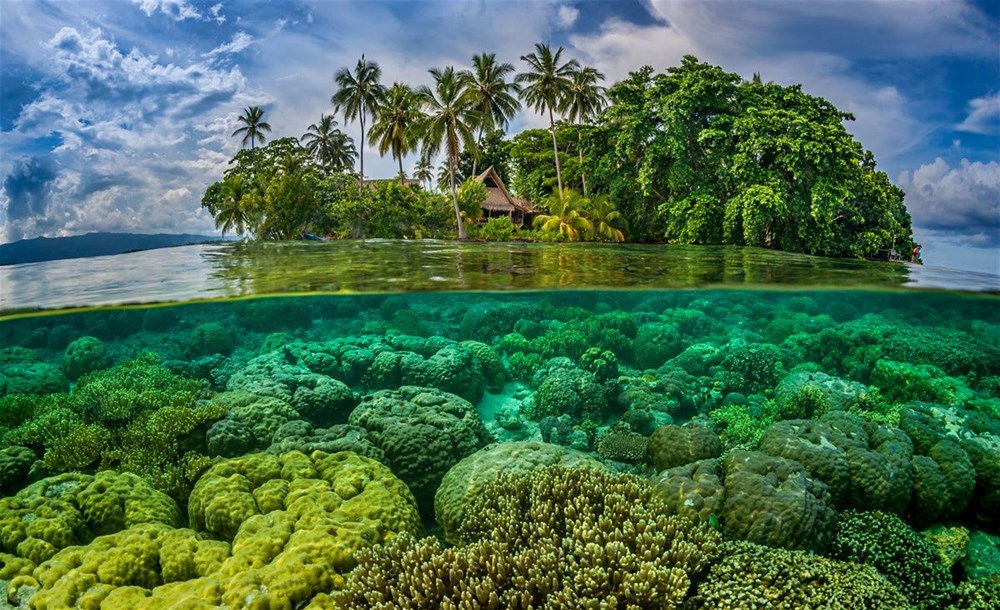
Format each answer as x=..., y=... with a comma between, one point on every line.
x=691, y=155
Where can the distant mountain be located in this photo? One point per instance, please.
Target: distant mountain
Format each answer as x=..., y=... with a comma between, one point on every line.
x=92, y=244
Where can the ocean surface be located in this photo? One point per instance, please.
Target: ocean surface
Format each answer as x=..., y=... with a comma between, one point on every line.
x=390, y=424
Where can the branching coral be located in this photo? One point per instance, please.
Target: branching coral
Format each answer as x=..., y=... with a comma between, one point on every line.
x=554, y=537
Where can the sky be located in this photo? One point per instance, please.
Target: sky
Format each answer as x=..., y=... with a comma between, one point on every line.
x=116, y=115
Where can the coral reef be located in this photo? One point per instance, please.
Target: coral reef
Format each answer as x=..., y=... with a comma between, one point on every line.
x=422, y=432
x=553, y=537
x=466, y=479
x=751, y=576
x=907, y=559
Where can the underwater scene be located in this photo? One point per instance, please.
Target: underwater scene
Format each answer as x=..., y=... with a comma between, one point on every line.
x=661, y=448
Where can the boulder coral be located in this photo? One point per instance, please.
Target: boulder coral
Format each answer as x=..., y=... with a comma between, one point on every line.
x=71, y=509
x=267, y=532
x=422, y=432
x=674, y=445
x=754, y=497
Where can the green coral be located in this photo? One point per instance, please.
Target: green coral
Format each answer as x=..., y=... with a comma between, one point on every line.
x=907, y=559
x=422, y=432
x=210, y=338
x=71, y=509
x=902, y=382
x=741, y=425
x=85, y=355
x=466, y=479
x=753, y=576
x=115, y=396
x=548, y=538
x=569, y=391
x=756, y=367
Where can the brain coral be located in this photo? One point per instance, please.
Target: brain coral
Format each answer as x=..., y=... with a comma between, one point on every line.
x=467, y=478
x=755, y=497
x=549, y=538
x=751, y=576
x=296, y=521
x=694, y=491
x=774, y=501
x=864, y=465
x=422, y=432
x=305, y=517
x=71, y=509
x=678, y=445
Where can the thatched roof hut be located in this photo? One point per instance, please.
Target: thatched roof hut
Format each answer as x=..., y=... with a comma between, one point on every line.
x=499, y=201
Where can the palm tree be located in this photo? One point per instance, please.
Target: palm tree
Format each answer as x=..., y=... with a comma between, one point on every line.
x=449, y=124
x=232, y=214
x=548, y=85
x=331, y=148
x=585, y=100
x=253, y=126
x=423, y=171
x=608, y=222
x=395, y=127
x=359, y=95
x=491, y=94
x=565, y=216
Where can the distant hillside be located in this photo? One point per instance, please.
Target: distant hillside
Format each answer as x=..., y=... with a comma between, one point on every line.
x=91, y=244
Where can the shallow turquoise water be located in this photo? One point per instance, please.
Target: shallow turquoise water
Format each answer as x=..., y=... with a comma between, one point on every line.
x=853, y=389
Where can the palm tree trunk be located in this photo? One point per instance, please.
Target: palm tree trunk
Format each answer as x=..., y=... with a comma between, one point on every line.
x=475, y=157
x=401, y=174
x=555, y=149
x=454, y=198
x=583, y=176
x=361, y=149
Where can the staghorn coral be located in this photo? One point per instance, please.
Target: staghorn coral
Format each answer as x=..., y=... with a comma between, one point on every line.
x=553, y=538
x=751, y=576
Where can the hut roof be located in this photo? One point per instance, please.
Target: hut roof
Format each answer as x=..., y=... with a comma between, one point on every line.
x=498, y=198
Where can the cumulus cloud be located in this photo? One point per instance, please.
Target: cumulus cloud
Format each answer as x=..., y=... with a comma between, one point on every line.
x=962, y=201
x=178, y=10
x=126, y=157
x=984, y=115
x=567, y=16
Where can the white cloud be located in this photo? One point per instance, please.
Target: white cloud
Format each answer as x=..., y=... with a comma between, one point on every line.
x=129, y=124
x=567, y=16
x=240, y=42
x=178, y=10
x=984, y=115
x=963, y=201
x=216, y=11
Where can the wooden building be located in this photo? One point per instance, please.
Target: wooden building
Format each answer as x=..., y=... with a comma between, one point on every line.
x=499, y=201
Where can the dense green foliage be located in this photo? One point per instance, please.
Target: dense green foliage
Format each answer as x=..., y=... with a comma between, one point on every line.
x=695, y=155
x=692, y=155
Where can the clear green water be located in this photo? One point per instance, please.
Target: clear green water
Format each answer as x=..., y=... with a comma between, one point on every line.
x=896, y=395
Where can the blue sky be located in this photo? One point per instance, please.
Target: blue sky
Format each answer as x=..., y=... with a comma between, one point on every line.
x=115, y=115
